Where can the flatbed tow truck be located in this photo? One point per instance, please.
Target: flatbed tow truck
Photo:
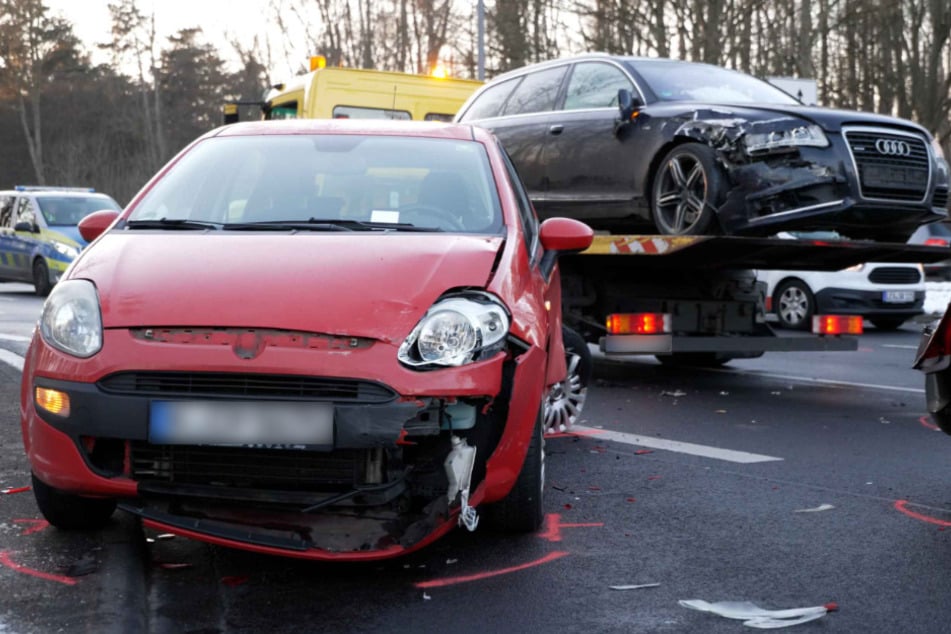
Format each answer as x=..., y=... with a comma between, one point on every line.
x=695, y=299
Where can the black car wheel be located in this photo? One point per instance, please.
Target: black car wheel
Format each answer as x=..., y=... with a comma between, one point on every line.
x=41, y=278
x=688, y=185
x=67, y=511
x=794, y=305
x=522, y=510
x=887, y=323
x=565, y=400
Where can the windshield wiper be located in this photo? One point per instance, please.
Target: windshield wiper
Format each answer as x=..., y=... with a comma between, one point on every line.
x=325, y=224
x=172, y=223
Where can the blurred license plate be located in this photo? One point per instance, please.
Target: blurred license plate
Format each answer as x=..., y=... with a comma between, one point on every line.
x=892, y=176
x=272, y=424
x=898, y=297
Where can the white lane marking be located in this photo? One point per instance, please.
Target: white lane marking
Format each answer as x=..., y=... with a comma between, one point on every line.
x=12, y=358
x=16, y=338
x=895, y=345
x=705, y=451
x=828, y=382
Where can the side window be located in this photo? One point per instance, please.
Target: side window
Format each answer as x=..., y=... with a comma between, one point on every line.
x=24, y=211
x=286, y=110
x=526, y=213
x=356, y=112
x=6, y=212
x=537, y=92
x=595, y=85
x=489, y=103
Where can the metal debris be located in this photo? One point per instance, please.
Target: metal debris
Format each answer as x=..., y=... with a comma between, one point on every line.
x=675, y=393
x=638, y=586
x=818, y=509
x=754, y=616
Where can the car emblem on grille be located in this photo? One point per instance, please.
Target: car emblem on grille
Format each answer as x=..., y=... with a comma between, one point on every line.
x=892, y=147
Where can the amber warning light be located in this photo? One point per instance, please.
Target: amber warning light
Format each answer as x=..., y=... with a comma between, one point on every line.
x=638, y=323
x=53, y=401
x=837, y=324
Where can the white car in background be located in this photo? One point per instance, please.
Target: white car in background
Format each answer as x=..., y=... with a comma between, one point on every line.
x=885, y=293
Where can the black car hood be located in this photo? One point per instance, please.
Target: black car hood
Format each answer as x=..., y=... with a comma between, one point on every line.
x=829, y=119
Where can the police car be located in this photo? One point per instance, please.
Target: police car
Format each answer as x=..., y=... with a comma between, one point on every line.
x=38, y=234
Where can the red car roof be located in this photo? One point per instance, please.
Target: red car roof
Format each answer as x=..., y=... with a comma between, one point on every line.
x=352, y=126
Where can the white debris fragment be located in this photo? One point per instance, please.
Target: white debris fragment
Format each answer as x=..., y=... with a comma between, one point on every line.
x=724, y=393
x=675, y=393
x=754, y=616
x=818, y=509
x=638, y=586
x=776, y=393
x=450, y=562
x=426, y=597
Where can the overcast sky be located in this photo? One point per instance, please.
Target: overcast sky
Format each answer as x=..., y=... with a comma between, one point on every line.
x=220, y=21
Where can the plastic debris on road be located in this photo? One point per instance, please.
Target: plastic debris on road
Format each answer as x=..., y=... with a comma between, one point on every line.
x=756, y=617
x=818, y=509
x=675, y=393
x=638, y=586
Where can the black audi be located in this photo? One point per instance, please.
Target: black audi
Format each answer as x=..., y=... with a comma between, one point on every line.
x=638, y=145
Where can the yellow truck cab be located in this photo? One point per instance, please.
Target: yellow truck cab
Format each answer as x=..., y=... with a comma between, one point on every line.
x=354, y=93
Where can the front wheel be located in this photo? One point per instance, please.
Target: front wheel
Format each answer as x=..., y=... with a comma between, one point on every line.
x=794, y=305
x=71, y=512
x=688, y=186
x=566, y=399
x=41, y=278
x=522, y=510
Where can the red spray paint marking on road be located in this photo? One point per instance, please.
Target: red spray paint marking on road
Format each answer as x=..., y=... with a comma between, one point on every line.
x=12, y=565
x=927, y=423
x=902, y=507
x=35, y=525
x=553, y=527
x=15, y=490
x=451, y=581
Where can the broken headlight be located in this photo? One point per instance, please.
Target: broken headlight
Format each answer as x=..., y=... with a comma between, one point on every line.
x=456, y=330
x=785, y=139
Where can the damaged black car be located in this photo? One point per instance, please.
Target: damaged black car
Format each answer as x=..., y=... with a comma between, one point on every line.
x=635, y=145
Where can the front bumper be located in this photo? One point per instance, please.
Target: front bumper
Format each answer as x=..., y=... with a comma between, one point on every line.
x=380, y=491
x=866, y=303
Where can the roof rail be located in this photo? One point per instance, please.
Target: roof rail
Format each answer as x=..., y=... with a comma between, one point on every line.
x=39, y=188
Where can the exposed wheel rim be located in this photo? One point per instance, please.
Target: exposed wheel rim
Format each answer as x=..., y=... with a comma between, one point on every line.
x=793, y=305
x=566, y=399
x=681, y=194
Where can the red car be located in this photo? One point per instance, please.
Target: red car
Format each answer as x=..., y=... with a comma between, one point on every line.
x=320, y=339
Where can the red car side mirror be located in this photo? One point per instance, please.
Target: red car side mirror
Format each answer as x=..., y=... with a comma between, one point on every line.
x=93, y=225
x=562, y=235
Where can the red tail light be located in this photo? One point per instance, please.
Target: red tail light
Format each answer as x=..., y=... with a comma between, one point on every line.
x=638, y=323
x=936, y=242
x=837, y=324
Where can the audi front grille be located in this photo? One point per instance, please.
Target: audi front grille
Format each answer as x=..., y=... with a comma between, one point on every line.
x=891, y=165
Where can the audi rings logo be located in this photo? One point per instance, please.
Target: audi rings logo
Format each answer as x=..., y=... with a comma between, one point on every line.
x=892, y=147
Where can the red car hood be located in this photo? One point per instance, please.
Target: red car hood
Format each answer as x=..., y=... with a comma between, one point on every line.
x=360, y=284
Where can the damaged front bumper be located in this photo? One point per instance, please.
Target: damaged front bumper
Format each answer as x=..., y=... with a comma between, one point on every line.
x=403, y=469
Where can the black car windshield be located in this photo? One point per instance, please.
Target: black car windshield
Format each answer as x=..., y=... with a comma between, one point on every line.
x=327, y=182
x=681, y=81
x=67, y=211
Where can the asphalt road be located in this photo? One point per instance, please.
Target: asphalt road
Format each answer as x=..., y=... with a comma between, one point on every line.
x=696, y=480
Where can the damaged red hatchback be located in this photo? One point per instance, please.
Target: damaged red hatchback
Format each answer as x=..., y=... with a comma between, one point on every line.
x=319, y=339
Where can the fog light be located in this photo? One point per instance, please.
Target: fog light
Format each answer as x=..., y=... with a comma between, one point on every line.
x=53, y=401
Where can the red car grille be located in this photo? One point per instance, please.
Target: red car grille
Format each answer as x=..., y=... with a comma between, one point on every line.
x=242, y=468
x=228, y=385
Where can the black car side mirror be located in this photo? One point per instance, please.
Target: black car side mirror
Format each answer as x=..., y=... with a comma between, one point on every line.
x=25, y=226
x=627, y=105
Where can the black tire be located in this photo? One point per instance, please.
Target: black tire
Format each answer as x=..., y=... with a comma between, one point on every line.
x=887, y=323
x=794, y=304
x=71, y=512
x=565, y=400
x=41, y=278
x=687, y=188
x=694, y=359
x=522, y=510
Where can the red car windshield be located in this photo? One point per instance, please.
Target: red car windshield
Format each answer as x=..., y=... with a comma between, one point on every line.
x=426, y=183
